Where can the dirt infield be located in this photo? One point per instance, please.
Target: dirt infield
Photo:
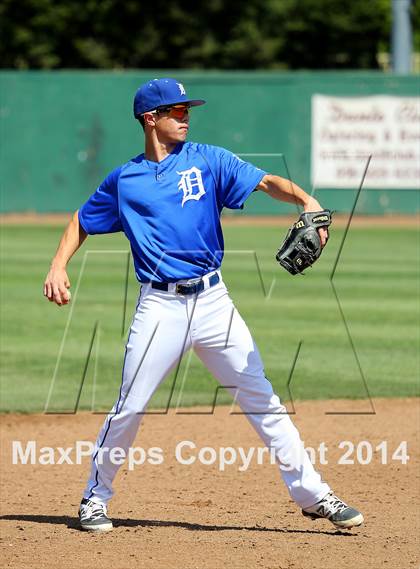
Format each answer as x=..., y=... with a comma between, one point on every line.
x=340, y=220
x=174, y=516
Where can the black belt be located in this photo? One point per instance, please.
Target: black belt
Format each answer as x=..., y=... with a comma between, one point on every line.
x=187, y=288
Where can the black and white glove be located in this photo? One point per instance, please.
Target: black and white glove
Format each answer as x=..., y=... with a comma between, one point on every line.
x=302, y=245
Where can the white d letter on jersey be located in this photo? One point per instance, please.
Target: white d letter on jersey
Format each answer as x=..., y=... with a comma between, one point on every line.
x=191, y=183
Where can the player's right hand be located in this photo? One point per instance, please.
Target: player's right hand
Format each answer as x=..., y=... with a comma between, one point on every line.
x=56, y=286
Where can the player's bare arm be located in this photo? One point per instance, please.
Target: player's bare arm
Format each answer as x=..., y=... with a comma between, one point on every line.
x=287, y=191
x=57, y=283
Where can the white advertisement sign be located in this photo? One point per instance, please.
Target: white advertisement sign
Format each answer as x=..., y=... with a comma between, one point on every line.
x=347, y=130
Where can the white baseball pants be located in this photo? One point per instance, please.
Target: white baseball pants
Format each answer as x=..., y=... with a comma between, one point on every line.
x=165, y=326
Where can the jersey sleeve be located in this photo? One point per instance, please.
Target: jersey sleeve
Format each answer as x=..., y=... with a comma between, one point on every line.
x=100, y=214
x=237, y=179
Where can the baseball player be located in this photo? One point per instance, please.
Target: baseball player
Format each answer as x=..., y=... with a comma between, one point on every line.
x=168, y=202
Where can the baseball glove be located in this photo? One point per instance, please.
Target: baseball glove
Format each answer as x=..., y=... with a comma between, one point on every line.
x=302, y=245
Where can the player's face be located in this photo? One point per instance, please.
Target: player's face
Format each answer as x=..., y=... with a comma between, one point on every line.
x=172, y=123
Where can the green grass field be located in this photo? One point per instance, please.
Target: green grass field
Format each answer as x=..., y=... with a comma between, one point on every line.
x=377, y=281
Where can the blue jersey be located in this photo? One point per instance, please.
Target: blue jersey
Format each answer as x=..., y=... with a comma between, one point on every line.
x=170, y=210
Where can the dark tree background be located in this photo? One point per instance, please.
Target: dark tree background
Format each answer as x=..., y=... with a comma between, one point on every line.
x=230, y=34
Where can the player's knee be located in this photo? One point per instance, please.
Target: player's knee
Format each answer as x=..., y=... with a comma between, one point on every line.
x=131, y=406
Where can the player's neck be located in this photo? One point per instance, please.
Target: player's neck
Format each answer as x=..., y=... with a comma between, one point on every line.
x=156, y=151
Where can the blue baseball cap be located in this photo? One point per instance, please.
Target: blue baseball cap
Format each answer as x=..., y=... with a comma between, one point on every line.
x=160, y=93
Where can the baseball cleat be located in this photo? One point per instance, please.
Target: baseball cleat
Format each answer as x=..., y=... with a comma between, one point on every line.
x=335, y=510
x=93, y=516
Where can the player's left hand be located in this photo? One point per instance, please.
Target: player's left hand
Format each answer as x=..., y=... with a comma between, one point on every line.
x=314, y=205
x=302, y=246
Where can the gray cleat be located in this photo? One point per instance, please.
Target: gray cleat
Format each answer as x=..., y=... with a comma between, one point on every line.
x=335, y=510
x=93, y=516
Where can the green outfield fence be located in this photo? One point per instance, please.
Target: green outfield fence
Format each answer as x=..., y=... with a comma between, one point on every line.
x=63, y=131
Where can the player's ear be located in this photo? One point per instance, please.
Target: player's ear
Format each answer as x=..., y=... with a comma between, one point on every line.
x=149, y=119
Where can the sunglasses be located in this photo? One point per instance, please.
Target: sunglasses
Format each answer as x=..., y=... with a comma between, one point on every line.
x=174, y=111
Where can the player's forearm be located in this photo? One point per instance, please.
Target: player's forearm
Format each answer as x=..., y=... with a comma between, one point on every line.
x=287, y=191
x=72, y=239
